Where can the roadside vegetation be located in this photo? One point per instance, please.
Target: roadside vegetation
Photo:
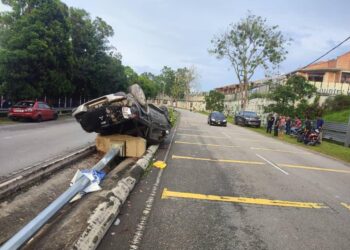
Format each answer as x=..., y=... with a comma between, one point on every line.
x=173, y=115
x=337, y=109
x=83, y=65
x=327, y=148
x=338, y=116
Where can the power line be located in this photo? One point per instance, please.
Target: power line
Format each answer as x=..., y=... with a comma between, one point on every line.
x=329, y=51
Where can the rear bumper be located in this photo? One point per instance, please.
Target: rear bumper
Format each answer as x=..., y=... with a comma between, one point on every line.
x=21, y=115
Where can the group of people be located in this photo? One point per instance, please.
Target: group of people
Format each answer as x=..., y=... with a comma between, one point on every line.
x=281, y=125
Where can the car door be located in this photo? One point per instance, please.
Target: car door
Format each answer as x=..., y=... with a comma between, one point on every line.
x=48, y=111
x=43, y=111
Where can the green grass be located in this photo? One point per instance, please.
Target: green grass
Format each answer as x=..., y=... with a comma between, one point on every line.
x=340, y=116
x=6, y=121
x=327, y=148
x=173, y=115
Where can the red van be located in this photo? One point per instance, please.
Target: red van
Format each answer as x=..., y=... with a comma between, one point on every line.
x=34, y=110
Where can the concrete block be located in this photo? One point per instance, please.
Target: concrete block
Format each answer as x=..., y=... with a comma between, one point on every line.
x=134, y=146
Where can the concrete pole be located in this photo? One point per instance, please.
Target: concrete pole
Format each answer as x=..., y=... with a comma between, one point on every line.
x=41, y=219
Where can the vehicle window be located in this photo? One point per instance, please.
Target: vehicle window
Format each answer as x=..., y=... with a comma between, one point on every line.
x=46, y=106
x=250, y=114
x=24, y=104
x=41, y=105
x=218, y=116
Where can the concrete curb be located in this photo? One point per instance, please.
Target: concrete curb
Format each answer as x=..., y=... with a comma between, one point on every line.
x=106, y=212
x=25, y=178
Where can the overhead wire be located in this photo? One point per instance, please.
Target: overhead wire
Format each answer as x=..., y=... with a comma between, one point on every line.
x=329, y=51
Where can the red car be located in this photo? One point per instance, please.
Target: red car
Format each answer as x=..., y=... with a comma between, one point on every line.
x=34, y=110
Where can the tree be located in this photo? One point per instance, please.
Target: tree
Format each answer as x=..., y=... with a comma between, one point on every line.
x=292, y=98
x=35, y=54
x=184, y=82
x=248, y=45
x=167, y=79
x=214, y=101
x=96, y=69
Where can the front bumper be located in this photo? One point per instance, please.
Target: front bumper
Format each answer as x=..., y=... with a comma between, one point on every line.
x=253, y=123
x=219, y=123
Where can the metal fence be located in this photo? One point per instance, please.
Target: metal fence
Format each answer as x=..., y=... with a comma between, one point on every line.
x=339, y=132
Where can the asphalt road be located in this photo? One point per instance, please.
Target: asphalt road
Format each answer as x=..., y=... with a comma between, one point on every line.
x=28, y=143
x=231, y=188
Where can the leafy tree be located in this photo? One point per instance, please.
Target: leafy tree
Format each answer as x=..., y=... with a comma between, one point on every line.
x=35, y=55
x=214, y=101
x=184, y=79
x=292, y=98
x=337, y=103
x=131, y=75
x=97, y=71
x=167, y=79
x=248, y=45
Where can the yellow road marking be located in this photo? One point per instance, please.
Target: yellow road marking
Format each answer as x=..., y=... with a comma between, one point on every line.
x=201, y=144
x=314, y=168
x=278, y=150
x=193, y=129
x=345, y=205
x=260, y=163
x=217, y=160
x=257, y=201
x=209, y=136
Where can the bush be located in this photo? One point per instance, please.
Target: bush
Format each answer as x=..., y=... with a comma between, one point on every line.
x=337, y=103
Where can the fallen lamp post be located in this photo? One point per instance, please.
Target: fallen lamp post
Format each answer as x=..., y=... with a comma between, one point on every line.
x=41, y=219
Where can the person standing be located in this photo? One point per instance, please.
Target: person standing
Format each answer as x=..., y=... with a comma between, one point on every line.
x=282, y=125
x=270, y=121
x=288, y=125
x=276, y=125
x=319, y=126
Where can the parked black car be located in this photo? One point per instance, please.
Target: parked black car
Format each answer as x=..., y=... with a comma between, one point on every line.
x=247, y=118
x=217, y=118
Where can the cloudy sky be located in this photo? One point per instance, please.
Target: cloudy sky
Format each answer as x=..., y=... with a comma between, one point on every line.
x=153, y=33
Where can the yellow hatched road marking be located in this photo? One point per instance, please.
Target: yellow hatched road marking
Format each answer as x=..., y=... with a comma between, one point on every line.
x=314, y=168
x=257, y=201
x=278, y=150
x=345, y=205
x=217, y=160
x=210, y=145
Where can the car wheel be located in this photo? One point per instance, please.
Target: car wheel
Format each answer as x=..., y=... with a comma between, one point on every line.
x=39, y=119
x=55, y=116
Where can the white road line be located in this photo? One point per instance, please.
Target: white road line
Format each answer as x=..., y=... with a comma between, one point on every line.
x=229, y=137
x=141, y=226
x=273, y=165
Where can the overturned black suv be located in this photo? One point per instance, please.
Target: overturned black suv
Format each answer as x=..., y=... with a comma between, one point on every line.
x=127, y=114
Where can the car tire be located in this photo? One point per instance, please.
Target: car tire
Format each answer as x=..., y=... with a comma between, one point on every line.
x=39, y=119
x=55, y=116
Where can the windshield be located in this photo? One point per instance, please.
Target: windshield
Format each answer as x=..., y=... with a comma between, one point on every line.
x=24, y=104
x=218, y=115
x=249, y=114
